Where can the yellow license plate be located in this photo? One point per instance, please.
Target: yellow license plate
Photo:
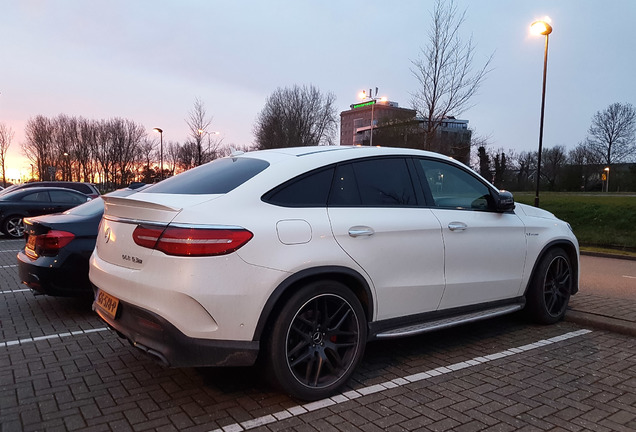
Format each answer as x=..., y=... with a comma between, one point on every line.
x=107, y=303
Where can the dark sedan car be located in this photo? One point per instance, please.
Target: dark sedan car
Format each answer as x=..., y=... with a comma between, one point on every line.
x=83, y=187
x=54, y=260
x=36, y=201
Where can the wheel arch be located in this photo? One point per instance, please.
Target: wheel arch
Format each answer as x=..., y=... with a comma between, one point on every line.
x=571, y=250
x=351, y=278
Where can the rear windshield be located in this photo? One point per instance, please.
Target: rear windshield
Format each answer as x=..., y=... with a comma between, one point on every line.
x=217, y=177
x=90, y=208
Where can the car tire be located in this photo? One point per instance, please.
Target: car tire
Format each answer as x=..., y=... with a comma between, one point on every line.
x=549, y=291
x=13, y=226
x=316, y=341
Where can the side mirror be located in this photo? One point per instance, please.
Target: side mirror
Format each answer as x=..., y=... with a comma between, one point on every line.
x=505, y=201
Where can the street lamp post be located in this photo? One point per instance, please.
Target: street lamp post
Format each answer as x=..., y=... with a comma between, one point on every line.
x=541, y=28
x=374, y=99
x=160, y=151
x=607, y=170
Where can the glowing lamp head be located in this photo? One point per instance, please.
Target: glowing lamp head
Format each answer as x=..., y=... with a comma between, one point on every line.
x=542, y=27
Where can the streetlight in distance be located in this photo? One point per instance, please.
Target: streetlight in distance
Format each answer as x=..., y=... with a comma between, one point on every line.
x=606, y=174
x=160, y=151
x=541, y=28
x=372, y=100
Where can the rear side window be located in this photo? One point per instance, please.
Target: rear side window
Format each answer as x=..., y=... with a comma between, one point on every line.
x=384, y=182
x=217, y=177
x=309, y=190
x=37, y=196
x=66, y=197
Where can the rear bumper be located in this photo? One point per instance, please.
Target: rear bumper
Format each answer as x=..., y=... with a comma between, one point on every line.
x=159, y=338
x=47, y=276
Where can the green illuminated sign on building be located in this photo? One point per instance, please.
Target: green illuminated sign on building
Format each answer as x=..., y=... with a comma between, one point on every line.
x=363, y=104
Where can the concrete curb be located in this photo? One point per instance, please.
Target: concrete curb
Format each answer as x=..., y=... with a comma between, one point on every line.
x=601, y=322
x=608, y=255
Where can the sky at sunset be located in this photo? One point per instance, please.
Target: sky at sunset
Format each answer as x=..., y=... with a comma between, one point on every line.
x=149, y=60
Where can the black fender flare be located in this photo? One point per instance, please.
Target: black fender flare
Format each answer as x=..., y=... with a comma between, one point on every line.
x=570, y=249
x=353, y=279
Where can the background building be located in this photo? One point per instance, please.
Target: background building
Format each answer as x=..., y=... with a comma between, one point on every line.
x=401, y=127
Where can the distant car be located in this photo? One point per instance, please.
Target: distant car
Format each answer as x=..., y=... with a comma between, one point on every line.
x=302, y=255
x=54, y=259
x=21, y=203
x=85, y=188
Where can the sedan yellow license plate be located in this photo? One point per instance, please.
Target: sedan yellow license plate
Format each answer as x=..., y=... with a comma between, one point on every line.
x=107, y=303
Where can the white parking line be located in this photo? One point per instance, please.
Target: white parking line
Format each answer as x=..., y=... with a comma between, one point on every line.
x=14, y=250
x=54, y=336
x=9, y=266
x=629, y=277
x=14, y=291
x=398, y=382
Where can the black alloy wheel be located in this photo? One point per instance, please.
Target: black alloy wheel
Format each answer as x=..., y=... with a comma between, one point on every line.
x=551, y=288
x=317, y=341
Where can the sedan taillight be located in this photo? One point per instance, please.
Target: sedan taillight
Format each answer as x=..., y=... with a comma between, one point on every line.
x=49, y=244
x=191, y=241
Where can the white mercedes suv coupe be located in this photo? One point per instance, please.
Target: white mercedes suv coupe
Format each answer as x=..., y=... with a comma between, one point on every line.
x=299, y=256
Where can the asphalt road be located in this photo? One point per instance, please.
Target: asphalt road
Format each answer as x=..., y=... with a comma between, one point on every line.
x=608, y=277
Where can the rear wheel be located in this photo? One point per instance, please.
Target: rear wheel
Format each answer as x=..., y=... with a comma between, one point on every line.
x=13, y=226
x=549, y=291
x=317, y=340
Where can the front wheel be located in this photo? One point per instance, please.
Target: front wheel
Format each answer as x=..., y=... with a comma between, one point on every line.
x=317, y=340
x=550, y=288
x=13, y=226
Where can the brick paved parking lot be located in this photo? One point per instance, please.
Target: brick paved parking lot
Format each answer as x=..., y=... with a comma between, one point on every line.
x=60, y=369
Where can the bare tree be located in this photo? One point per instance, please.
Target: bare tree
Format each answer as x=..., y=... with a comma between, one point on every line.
x=64, y=142
x=585, y=162
x=6, y=136
x=187, y=157
x=86, y=139
x=172, y=151
x=127, y=137
x=444, y=70
x=296, y=116
x=527, y=166
x=554, y=159
x=37, y=146
x=198, y=124
x=612, y=133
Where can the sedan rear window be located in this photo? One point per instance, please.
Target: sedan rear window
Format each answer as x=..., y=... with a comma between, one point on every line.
x=217, y=177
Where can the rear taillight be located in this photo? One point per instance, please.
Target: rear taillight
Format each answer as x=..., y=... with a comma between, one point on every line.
x=191, y=241
x=49, y=244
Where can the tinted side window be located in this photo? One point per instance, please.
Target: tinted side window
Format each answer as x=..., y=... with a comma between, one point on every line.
x=66, y=197
x=309, y=190
x=384, y=182
x=37, y=196
x=452, y=187
x=217, y=177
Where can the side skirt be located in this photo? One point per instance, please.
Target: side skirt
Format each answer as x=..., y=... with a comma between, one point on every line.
x=437, y=321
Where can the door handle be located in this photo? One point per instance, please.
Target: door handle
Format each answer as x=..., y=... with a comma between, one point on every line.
x=457, y=226
x=360, y=231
